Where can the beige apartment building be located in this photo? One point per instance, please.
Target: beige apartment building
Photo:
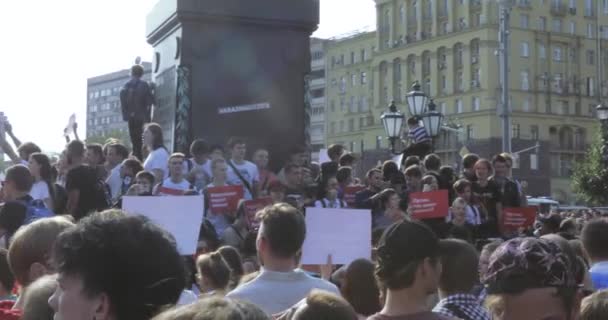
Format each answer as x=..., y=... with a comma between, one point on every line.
x=450, y=47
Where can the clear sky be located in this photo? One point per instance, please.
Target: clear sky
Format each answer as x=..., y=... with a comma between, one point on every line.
x=50, y=48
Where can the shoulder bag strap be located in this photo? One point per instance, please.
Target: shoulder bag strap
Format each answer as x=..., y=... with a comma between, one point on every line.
x=238, y=174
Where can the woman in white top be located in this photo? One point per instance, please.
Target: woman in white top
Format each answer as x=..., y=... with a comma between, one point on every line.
x=158, y=158
x=43, y=187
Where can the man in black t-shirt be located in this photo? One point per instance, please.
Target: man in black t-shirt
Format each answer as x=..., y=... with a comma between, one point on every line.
x=508, y=188
x=81, y=182
x=374, y=185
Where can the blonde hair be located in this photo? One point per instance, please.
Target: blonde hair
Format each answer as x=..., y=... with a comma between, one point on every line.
x=595, y=306
x=35, y=299
x=33, y=243
x=496, y=305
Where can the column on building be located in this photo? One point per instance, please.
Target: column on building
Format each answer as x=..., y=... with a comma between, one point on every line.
x=450, y=15
x=378, y=27
x=450, y=68
x=390, y=80
x=405, y=20
x=418, y=77
x=434, y=74
x=377, y=89
x=485, y=12
x=419, y=20
x=434, y=14
x=391, y=23
x=467, y=67
x=467, y=14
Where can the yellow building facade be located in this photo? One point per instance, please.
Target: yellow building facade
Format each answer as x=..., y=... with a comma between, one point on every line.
x=450, y=47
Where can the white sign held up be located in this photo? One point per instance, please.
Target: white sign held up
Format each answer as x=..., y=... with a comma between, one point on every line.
x=350, y=241
x=180, y=216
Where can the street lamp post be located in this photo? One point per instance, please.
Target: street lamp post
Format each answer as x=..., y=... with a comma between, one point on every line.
x=432, y=122
x=393, y=123
x=503, y=51
x=416, y=100
x=602, y=115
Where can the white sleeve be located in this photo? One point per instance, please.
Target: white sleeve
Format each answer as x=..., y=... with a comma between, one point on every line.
x=318, y=204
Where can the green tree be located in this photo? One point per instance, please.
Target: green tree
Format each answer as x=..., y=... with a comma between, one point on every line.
x=120, y=136
x=590, y=177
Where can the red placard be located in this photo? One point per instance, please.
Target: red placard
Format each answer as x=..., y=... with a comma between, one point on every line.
x=428, y=205
x=349, y=194
x=515, y=218
x=252, y=207
x=224, y=200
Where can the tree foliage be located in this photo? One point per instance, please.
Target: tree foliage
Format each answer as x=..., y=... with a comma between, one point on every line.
x=116, y=135
x=590, y=177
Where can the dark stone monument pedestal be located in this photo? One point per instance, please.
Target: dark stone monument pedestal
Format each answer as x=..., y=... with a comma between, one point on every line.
x=227, y=68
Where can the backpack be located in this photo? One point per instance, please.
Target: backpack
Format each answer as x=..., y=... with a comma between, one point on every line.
x=36, y=209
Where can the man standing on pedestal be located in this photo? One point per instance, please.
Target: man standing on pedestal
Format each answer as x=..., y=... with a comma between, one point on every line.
x=136, y=102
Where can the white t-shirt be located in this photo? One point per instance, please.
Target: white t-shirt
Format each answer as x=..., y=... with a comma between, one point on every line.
x=158, y=160
x=40, y=191
x=170, y=188
x=248, y=171
x=115, y=182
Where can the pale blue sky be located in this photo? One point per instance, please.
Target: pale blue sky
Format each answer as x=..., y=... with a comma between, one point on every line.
x=50, y=48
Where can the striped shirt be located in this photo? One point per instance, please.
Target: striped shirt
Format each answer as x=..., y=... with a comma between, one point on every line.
x=418, y=135
x=462, y=306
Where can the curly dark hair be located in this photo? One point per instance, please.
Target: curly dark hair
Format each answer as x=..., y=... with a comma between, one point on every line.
x=130, y=259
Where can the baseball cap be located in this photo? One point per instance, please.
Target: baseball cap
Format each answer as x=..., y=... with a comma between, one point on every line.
x=405, y=242
x=529, y=263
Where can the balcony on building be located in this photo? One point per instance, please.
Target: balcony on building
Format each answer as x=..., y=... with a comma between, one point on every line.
x=559, y=9
x=317, y=83
x=317, y=64
x=317, y=101
x=475, y=5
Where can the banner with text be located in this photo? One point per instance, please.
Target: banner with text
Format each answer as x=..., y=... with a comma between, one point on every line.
x=252, y=207
x=428, y=205
x=349, y=194
x=224, y=199
x=515, y=218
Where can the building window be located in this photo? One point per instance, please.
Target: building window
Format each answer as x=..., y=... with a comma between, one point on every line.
x=525, y=106
x=476, y=104
x=564, y=108
x=524, y=49
x=557, y=54
x=524, y=21
x=342, y=126
x=557, y=25
x=572, y=27
x=342, y=104
x=605, y=6
x=590, y=30
x=589, y=8
x=515, y=130
x=590, y=54
x=534, y=132
x=332, y=106
x=444, y=84
x=533, y=161
x=525, y=84
x=542, y=23
x=443, y=107
x=470, y=132
x=590, y=87
x=342, y=85
x=459, y=81
x=458, y=106
x=351, y=125
x=363, y=77
x=378, y=142
x=353, y=79
x=352, y=106
x=542, y=53
x=363, y=55
x=332, y=128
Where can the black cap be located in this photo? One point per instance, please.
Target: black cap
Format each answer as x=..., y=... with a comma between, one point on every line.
x=405, y=242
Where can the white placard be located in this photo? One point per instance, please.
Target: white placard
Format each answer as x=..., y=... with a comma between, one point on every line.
x=69, y=129
x=346, y=234
x=323, y=156
x=179, y=215
x=398, y=159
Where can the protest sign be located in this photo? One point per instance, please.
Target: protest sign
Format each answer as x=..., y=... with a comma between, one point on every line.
x=251, y=207
x=224, y=199
x=428, y=205
x=349, y=194
x=323, y=156
x=343, y=233
x=515, y=218
x=180, y=216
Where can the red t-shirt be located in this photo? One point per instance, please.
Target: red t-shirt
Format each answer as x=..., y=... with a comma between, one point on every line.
x=6, y=311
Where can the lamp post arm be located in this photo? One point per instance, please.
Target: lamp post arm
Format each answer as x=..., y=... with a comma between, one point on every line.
x=527, y=149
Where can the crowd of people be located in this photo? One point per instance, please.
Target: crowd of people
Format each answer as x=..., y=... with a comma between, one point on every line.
x=70, y=252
